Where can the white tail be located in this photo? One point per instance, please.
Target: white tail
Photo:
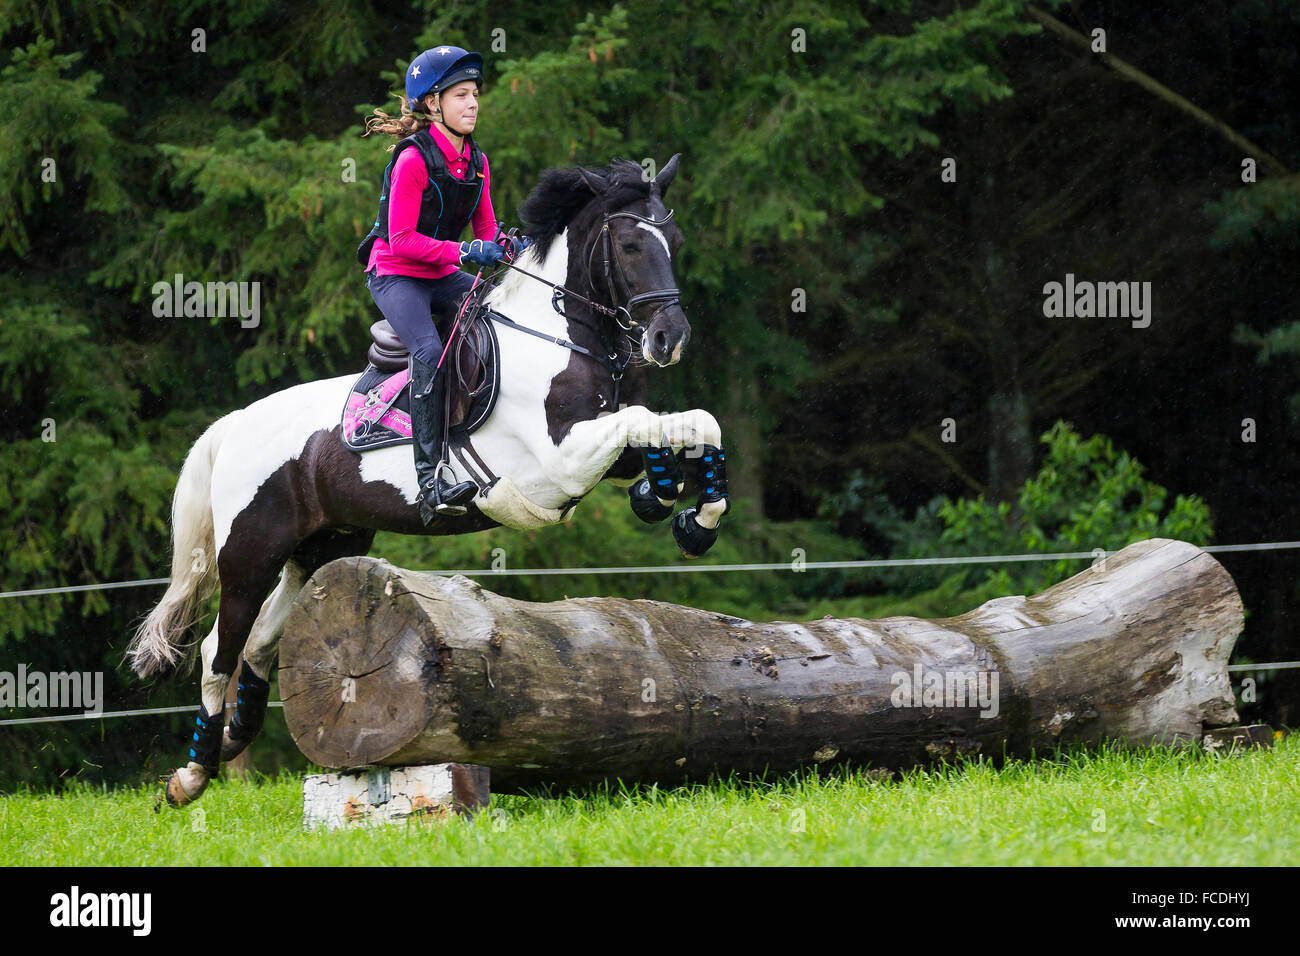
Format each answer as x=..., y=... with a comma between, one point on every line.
x=157, y=645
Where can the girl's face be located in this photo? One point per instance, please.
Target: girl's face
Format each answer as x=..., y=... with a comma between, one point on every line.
x=460, y=106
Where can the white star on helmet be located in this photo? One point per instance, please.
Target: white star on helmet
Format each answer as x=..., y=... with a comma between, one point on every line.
x=443, y=50
x=415, y=72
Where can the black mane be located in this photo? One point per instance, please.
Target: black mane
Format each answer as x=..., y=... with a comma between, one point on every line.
x=561, y=193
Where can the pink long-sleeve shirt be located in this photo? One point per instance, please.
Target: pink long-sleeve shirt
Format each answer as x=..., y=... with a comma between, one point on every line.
x=410, y=253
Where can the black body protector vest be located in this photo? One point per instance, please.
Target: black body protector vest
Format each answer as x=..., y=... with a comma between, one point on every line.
x=447, y=202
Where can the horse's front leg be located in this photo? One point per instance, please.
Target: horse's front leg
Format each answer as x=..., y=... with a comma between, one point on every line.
x=696, y=529
x=658, y=437
x=653, y=478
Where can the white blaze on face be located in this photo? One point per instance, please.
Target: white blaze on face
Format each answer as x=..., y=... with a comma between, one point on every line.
x=645, y=343
x=658, y=235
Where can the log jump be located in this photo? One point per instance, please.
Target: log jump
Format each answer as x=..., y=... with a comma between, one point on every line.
x=385, y=666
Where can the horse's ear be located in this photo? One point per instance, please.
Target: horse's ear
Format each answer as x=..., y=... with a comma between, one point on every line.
x=665, y=177
x=595, y=180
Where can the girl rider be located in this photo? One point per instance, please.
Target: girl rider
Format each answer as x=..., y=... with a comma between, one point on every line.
x=411, y=255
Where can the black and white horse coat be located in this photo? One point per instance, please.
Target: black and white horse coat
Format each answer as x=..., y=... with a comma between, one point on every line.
x=270, y=491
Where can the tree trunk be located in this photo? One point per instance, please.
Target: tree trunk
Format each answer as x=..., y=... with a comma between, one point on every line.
x=1011, y=445
x=381, y=665
x=1007, y=416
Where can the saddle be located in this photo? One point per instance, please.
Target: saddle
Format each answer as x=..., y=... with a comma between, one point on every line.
x=378, y=409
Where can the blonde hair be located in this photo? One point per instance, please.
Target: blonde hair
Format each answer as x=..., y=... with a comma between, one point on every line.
x=407, y=123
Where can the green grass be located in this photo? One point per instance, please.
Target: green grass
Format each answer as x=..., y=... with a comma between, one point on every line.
x=1161, y=807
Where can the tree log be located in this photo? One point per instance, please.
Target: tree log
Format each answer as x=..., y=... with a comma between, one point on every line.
x=381, y=665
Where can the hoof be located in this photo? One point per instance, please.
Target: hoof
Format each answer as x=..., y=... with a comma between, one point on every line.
x=645, y=504
x=692, y=538
x=185, y=785
x=232, y=747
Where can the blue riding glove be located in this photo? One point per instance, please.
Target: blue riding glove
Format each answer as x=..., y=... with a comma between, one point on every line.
x=481, y=252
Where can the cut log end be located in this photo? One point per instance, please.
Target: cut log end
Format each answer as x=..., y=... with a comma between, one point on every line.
x=357, y=681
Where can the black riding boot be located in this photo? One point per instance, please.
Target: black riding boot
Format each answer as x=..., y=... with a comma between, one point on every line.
x=428, y=389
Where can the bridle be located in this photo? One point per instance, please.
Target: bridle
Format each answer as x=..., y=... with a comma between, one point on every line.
x=669, y=297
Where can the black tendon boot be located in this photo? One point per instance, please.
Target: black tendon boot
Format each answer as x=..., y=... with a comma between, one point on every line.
x=205, y=746
x=437, y=496
x=250, y=712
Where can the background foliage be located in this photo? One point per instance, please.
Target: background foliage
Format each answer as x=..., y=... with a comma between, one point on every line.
x=815, y=170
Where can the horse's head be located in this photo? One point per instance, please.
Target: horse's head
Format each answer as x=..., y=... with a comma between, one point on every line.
x=626, y=238
x=629, y=257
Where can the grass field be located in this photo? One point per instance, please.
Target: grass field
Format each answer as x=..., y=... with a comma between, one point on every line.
x=1113, y=807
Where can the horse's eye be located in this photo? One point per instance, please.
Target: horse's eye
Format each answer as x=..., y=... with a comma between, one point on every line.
x=631, y=247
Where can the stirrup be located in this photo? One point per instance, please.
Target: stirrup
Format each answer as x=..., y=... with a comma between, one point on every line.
x=441, y=497
x=432, y=506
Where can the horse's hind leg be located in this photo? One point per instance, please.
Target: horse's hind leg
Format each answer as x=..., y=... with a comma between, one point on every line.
x=264, y=641
x=186, y=784
x=259, y=656
x=246, y=577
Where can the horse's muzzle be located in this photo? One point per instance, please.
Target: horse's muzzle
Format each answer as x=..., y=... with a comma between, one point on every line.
x=664, y=345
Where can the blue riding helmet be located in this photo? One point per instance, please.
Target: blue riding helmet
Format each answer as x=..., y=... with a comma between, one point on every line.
x=436, y=69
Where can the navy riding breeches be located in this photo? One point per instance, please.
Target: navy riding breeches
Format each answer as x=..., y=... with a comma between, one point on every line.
x=410, y=305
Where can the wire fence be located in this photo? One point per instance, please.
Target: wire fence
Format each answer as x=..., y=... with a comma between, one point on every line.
x=799, y=565
x=59, y=718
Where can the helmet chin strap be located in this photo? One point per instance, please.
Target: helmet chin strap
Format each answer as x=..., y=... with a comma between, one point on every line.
x=437, y=114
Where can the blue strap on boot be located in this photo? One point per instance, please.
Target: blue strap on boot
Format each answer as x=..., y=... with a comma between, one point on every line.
x=205, y=746
x=713, y=477
x=250, y=704
x=663, y=471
